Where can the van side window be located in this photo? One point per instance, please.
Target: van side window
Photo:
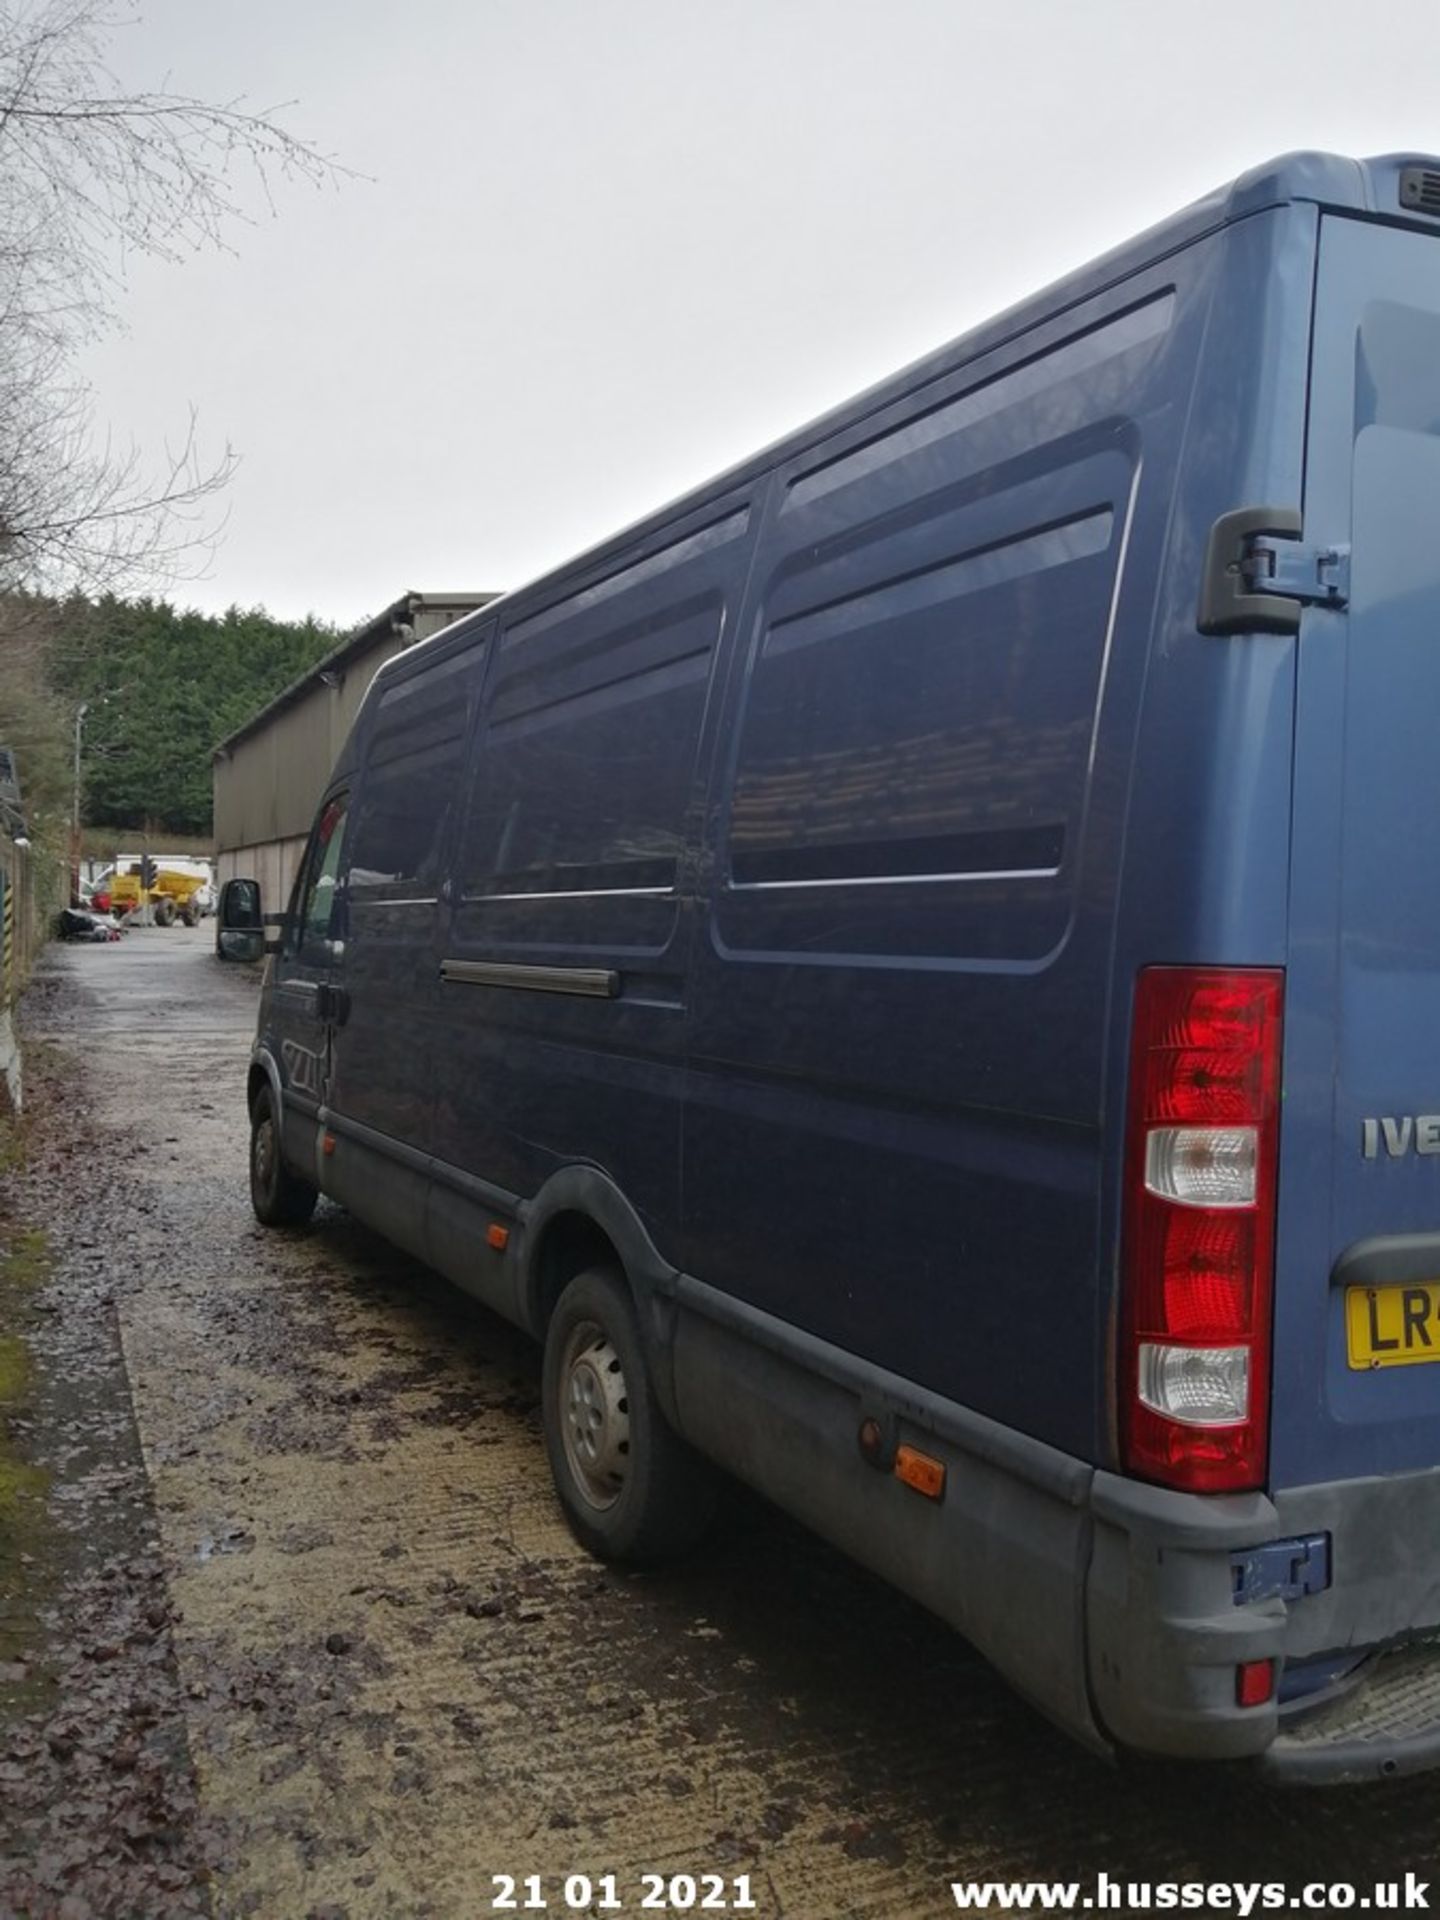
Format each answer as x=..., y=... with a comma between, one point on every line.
x=412, y=768
x=318, y=920
x=584, y=767
x=932, y=724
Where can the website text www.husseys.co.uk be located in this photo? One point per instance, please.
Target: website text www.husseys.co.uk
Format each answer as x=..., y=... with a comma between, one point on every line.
x=1241, y=1897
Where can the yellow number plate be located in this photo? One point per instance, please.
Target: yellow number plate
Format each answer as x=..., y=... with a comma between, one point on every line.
x=1393, y=1326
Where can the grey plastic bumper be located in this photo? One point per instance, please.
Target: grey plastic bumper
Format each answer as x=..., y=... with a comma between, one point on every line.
x=1163, y=1630
x=1165, y=1634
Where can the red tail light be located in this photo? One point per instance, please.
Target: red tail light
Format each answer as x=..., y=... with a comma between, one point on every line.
x=1200, y=1226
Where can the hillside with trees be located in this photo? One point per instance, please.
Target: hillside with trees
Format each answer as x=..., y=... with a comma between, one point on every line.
x=161, y=685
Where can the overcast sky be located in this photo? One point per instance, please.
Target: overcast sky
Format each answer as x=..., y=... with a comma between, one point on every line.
x=603, y=248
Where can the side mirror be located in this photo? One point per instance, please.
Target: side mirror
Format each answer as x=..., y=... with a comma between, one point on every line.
x=239, y=907
x=239, y=923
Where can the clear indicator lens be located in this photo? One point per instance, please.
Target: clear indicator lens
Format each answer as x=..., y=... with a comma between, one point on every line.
x=1197, y=1386
x=1202, y=1166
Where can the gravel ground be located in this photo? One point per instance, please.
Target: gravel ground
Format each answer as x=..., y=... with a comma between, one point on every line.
x=289, y=1624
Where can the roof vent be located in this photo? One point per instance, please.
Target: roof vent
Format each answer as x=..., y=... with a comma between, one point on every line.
x=1420, y=189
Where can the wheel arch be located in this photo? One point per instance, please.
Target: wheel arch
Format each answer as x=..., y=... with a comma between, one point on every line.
x=264, y=1072
x=581, y=1219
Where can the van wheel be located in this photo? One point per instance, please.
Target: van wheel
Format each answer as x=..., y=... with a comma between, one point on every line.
x=630, y=1486
x=279, y=1198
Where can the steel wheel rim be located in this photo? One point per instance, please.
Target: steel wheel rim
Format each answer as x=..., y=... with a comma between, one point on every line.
x=594, y=1415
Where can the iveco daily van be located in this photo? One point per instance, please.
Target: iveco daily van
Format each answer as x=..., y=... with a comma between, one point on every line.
x=915, y=972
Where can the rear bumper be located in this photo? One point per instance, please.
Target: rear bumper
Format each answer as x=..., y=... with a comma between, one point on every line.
x=1385, y=1560
x=1165, y=1634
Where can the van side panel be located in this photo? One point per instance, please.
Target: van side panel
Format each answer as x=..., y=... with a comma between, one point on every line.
x=1207, y=857
x=565, y=953
x=413, y=747
x=894, y=1131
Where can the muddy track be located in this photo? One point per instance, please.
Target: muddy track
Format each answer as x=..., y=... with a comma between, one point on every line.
x=380, y=1672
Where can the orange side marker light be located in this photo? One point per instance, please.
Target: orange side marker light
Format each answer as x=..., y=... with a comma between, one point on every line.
x=327, y=1145
x=498, y=1236
x=919, y=1471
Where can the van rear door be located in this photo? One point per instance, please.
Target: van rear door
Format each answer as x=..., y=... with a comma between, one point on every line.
x=1357, y=1329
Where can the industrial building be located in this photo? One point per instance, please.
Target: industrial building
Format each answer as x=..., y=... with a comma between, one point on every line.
x=270, y=773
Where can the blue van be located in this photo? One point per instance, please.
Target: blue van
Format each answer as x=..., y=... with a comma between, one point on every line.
x=915, y=973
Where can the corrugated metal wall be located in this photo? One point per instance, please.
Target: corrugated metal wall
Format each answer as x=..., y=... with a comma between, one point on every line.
x=274, y=864
x=267, y=786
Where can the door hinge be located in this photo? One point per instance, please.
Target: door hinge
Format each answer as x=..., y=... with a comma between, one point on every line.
x=1259, y=573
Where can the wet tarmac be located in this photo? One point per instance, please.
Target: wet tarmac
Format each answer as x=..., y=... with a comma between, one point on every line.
x=303, y=1633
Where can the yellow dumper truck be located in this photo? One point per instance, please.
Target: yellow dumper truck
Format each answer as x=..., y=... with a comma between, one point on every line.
x=172, y=892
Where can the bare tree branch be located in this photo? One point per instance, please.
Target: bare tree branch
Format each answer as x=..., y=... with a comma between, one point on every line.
x=90, y=172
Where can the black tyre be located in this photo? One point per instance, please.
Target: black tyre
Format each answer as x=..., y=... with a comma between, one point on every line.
x=630, y=1487
x=164, y=911
x=279, y=1197
x=190, y=915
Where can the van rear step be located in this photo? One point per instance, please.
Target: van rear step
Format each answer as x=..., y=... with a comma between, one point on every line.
x=1386, y=1726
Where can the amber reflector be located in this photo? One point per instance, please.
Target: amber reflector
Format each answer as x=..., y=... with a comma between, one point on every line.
x=919, y=1471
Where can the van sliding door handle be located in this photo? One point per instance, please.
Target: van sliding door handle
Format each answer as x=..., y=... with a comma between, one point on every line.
x=332, y=1005
x=600, y=983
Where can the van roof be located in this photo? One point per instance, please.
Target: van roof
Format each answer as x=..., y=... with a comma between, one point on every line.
x=1331, y=181
x=393, y=619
